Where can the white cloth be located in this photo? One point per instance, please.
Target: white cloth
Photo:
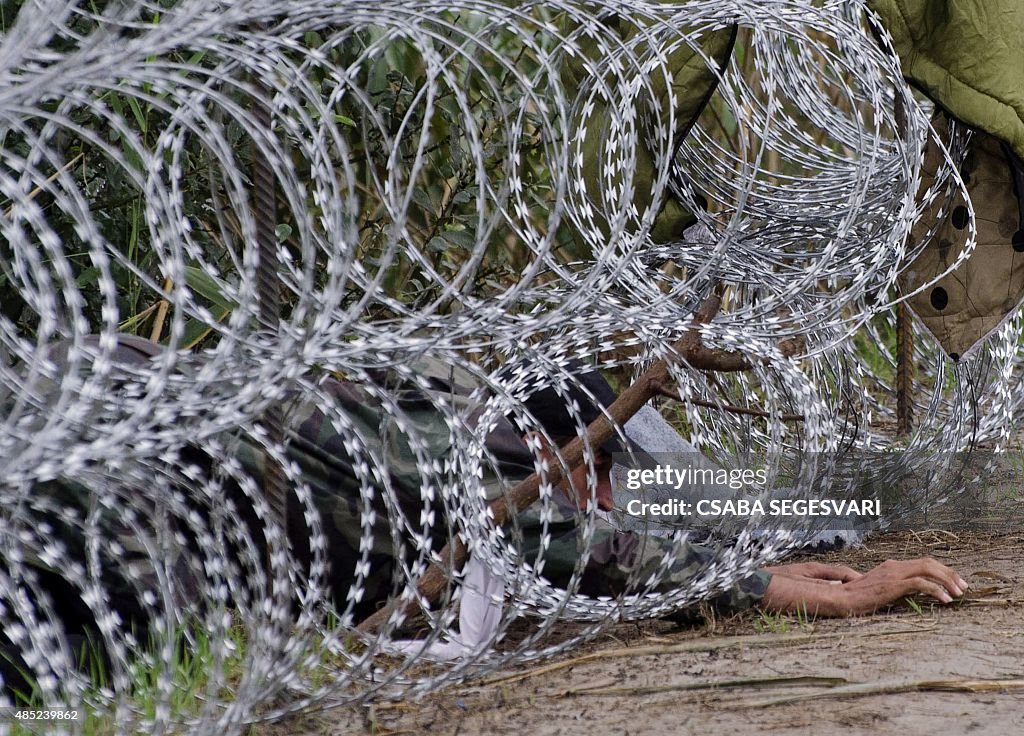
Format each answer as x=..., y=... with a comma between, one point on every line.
x=480, y=611
x=652, y=432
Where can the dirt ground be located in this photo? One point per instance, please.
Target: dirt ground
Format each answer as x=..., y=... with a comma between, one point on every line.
x=906, y=671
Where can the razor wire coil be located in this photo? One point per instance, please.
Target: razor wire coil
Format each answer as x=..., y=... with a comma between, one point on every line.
x=385, y=257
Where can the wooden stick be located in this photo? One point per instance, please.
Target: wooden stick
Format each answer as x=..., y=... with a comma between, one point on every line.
x=161, y=314
x=904, y=331
x=724, y=361
x=904, y=370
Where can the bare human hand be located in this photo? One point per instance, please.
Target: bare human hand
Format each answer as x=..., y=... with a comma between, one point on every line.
x=881, y=586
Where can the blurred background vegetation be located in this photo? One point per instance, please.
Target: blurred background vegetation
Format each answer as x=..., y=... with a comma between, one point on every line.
x=444, y=215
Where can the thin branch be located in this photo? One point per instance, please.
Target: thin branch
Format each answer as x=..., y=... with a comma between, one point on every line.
x=670, y=394
x=755, y=682
x=704, y=358
x=904, y=370
x=38, y=190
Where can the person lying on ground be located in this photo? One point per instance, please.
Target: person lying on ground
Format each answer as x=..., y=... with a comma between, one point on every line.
x=365, y=561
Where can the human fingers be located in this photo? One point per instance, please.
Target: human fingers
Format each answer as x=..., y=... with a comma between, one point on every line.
x=922, y=586
x=869, y=598
x=925, y=567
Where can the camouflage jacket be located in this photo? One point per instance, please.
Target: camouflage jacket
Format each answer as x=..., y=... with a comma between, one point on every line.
x=618, y=562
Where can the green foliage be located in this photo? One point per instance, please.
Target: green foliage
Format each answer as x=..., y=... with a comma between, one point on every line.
x=771, y=623
x=192, y=661
x=420, y=142
x=781, y=623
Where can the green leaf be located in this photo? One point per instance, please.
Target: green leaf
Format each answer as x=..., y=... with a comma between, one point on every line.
x=462, y=239
x=195, y=331
x=115, y=104
x=210, y=288
x=424, y=200
x=137, y=111
x=465, y=195
x=88, y=277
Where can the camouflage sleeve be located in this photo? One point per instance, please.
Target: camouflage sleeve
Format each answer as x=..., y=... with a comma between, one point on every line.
x=623, y=562
x=617, y=556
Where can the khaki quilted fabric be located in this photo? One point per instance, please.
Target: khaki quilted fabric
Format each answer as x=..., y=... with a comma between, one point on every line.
x=963, y=307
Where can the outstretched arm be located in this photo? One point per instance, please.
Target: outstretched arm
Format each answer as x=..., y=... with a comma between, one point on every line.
x=824, y=590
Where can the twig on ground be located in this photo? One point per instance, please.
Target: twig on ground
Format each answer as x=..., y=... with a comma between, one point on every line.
x=890, y=687
x=973, y=602
x=696, y=645
x=756, y=682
